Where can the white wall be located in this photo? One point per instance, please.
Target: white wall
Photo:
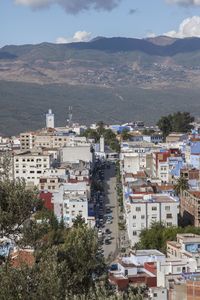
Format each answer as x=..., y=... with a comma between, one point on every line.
x=131, y=163
x=76, y=153
x=31, y=167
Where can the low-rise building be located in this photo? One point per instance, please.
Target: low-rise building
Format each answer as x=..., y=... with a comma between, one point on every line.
x=186, y=246
x=138, y=269
x=176, y=137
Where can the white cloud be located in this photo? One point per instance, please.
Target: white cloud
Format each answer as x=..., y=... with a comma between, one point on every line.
x=185, y=2
x=190, y=27
x=150, y=35
x=34, y=3
x=79, y=36
x=72, y=6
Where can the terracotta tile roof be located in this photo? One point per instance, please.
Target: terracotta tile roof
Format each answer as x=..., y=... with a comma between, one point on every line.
x=22, y=257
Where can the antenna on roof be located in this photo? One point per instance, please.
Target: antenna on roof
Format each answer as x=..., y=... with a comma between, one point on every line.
x=69, y=120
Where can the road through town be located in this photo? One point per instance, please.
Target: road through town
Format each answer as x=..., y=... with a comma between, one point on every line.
x=111, y=202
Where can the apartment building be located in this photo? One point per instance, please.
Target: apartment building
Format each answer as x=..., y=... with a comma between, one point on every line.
x=190, y=207
x=30, y=166
x=70, y=201
x=167, y=164
x=142, y=210
x=27, y=140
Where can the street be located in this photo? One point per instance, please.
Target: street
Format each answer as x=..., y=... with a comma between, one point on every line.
x=111, y=202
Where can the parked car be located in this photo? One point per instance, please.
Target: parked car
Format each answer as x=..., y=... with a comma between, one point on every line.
x=107, y=242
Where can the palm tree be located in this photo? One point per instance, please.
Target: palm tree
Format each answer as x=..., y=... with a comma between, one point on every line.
x=181, y=185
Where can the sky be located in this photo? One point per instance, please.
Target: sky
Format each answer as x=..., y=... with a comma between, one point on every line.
x=63, y=21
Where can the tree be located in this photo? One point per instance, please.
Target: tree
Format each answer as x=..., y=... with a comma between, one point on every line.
x=100, y=127
x=17, y=204
x=148, y=131
x=165, y=126
x=181, y=185
x=79, y=222
x=6, y=165
x=157, y=236
x=177, y=122
x=91, y=134
x=125, y=135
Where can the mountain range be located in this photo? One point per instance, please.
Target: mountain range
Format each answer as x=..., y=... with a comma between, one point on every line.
x=127, y=72
x=105, y=61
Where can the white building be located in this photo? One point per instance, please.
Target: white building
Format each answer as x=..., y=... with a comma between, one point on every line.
x=142, y=210
x=140, y=257
x=131, y=163
x=157, y=293
x=71, y=201
x=77, y=153
x=30, y=166
x=50, y=119
x=186, y=246
x=172, y=269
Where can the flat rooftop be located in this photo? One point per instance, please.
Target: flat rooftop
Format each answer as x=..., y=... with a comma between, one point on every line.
x=147, y=252
x=151, y=198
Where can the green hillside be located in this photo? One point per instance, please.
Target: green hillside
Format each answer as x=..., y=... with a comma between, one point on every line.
x=23, y=106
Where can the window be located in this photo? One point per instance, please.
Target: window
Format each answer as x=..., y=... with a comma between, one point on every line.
x=32, y=172
x=154, y=216
x=154, y=208
x=178, y=269
x=142, y=216
x=39, y=172
x=134, y=232
x=155, y=295
x=169, y=224
x=134, y=217
x=24, y=171
x=169, y=216
x=134, y=224
x=167, y=208
x=42, y=180
x=138, y=208
x=17, y=171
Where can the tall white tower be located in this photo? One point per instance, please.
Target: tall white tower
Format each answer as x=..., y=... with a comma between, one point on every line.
x=50, y=119
x=102, y=144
